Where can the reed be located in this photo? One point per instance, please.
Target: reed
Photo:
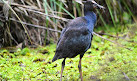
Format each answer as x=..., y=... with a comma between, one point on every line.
x=54, y=14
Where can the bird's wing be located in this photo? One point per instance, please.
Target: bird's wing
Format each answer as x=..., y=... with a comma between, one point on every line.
x=71, y=33
x=61, y=34
x=75, y=23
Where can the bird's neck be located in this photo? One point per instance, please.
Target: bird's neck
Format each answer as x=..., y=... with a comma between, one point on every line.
x=91, y=20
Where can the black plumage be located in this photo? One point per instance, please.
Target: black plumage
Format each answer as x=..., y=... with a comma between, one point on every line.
x=76, y=37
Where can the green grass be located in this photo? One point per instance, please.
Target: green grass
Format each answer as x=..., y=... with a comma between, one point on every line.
x=104, y=61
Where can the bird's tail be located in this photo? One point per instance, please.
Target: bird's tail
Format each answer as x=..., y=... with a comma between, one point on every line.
x=55, y=57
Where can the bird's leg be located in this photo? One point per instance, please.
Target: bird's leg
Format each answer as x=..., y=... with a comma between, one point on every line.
x=79, y=67
x=62, y=68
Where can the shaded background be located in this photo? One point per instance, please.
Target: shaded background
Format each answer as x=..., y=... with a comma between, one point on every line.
x=39, y=22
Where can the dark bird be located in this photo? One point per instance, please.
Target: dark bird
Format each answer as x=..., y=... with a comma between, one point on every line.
x=76, y=37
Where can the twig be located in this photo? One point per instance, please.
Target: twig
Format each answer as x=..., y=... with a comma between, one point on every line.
x=37, y=26
x=29, y=7
x=111, y=41
x=126, y=77
x=53, y=16
x=115, y=37
x=36, y=10
x=24, y=6
x=107, y=34
x=104, y=38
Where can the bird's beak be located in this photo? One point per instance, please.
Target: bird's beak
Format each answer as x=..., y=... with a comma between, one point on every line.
x=97, y=5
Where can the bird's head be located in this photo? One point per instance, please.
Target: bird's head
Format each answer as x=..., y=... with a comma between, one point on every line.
x=91, y=5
